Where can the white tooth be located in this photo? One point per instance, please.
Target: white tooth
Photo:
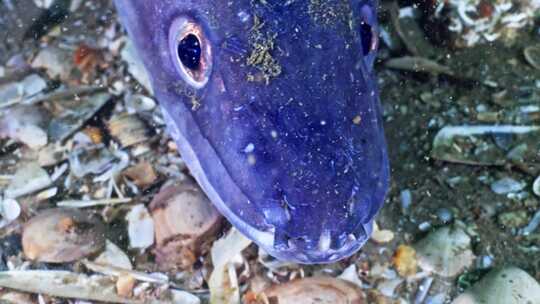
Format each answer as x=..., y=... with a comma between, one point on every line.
x=324, y=241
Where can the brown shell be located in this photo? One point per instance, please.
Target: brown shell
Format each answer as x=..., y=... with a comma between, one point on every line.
x=185, y=221
x=62, y=235
x=319, y=290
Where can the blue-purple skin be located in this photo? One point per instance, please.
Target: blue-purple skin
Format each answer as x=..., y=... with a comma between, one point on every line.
x=290, y=147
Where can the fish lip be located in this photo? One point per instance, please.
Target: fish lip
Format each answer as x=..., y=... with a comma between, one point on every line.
x=318, y=256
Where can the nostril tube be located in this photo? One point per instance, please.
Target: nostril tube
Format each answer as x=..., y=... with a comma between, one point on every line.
x=281, y=240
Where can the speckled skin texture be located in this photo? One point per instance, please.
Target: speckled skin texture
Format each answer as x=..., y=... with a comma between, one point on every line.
x=290, y=148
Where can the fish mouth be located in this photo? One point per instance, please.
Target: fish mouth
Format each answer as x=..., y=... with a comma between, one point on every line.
x=325, y=251
x=273, y=240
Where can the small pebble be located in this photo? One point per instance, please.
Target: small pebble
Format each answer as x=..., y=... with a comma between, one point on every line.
x=29, y=178
x=445, y=215
x=507, y=185
x=424, y=226
x=9, y=211
x=406, y=199
x=445, y=251
x=124, y=285
x=405, y=260
x=509, y=285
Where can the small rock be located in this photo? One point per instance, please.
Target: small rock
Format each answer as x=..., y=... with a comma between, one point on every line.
x=405, y=260
x=445, y=251
x=139, y=103
x=406, y=199
x=180, y=296
x=128, y=129
x=25, y=124
x=388, y=287
x=381, y=235
x=532, y=225
x=509, y=285
x=507, y=185
x=28, y=179
x=445, y=215
x=350, y=274
x=56, y=62
x=185, y=222
x=33, y=84
x=315, y=290
x=114, y=256
x=9, y=211
x=124, y=286
x=513, y=219
x=140, y=227
x=536, y=186
x=142, y=174
x=11, y=93
x=16, y=297
x=62, y=235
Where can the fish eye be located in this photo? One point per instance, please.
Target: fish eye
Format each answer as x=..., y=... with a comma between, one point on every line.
x=191, y=51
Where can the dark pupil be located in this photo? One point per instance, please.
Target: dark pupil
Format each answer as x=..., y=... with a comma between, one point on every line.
x=189, y=52
x=367, y=36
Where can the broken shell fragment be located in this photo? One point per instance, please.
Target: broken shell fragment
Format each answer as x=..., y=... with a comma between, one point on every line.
x=25, y=124
x=405, y=260
x=28, y=179
x=474, y=145
x=97, y=288
x=56, y=62
x=128, y=129
x=223, y=281
x=184, y=220
x=315, y=290
x=10, y=297
x=532, y=55
x=445, y=251
x=135, y=66
x=71, y=114
x=9, y=211
x=90, y=160
x=124, y=285
x=142, y=174
x=114, y=256
x=140, y=227
x=381, y=235
x=139, y=103
x=418, y=64
x=509, y=285
x=62, y=235
x=62, y=284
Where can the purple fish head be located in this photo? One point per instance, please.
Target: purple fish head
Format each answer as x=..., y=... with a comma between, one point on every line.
x=274, y=107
